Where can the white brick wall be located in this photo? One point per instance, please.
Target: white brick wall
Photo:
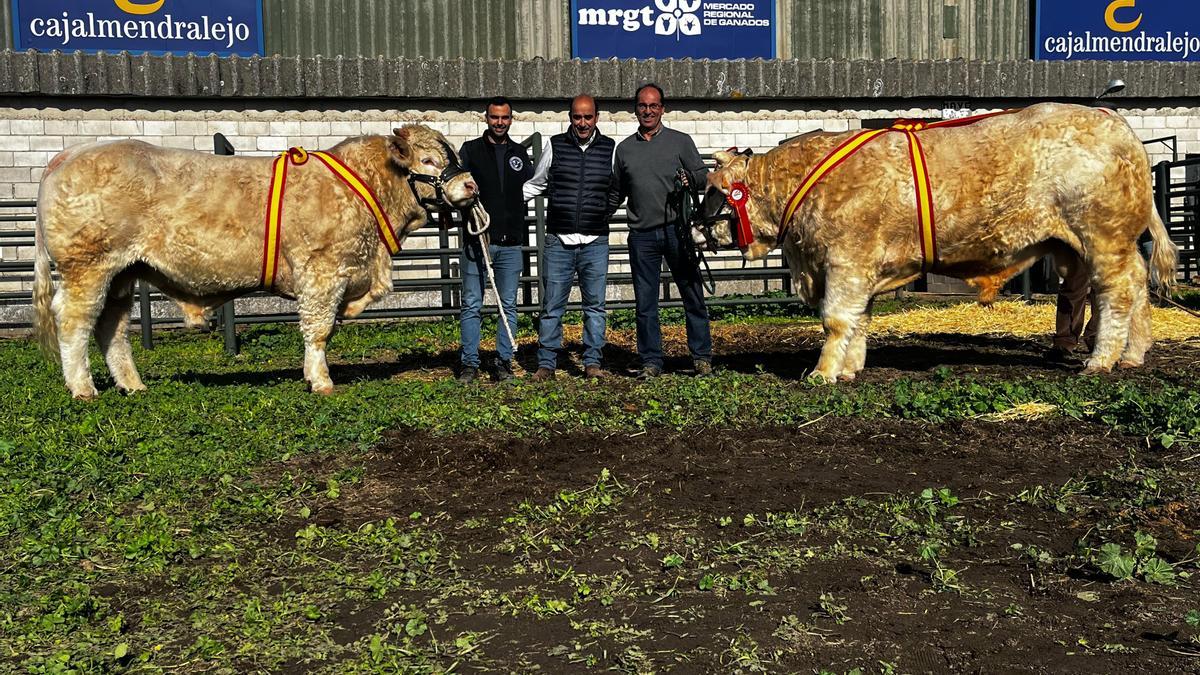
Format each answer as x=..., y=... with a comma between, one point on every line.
x=30, y=137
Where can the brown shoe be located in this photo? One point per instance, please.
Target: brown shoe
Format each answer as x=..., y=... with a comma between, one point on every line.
x=543, y=374
x=594, y=372
x=702, y=367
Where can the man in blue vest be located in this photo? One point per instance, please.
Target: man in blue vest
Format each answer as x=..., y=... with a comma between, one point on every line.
x=574, y=171
x=500, y=166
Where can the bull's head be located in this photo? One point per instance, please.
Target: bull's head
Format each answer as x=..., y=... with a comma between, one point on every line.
x=436, y=178
x=731, y=214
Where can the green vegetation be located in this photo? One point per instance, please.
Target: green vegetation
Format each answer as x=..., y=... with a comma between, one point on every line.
x=144, y=531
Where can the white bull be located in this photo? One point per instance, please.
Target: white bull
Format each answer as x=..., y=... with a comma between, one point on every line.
x=1053, y=179
x=192, y=224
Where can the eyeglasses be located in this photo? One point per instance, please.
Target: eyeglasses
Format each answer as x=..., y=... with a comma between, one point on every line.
x=648, y=106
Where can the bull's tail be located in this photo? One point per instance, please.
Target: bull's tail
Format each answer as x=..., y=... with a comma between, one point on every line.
x=1165, y=255
x=45, y=325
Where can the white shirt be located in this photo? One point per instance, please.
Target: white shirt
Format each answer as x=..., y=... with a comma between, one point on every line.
x=537, y=186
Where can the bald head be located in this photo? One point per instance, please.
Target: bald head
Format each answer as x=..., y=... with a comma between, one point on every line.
x=584, y=116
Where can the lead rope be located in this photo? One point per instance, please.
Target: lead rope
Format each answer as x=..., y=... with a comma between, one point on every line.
x=477, y=225
x=684, y=232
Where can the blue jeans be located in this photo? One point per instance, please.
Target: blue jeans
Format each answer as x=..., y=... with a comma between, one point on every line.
x=560, y=264
x=647, y=250
x=506, y=265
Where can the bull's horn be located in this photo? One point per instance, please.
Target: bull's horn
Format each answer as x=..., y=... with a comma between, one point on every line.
x=723, y=157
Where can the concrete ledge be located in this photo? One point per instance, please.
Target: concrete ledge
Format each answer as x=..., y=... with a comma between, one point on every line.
x=123, y=75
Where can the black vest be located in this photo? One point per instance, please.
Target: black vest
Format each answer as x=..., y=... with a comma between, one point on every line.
x=578, y=185
x=501, y=195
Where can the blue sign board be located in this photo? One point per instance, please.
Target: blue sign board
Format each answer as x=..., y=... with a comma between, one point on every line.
x=222, y=27
x=1117, y=30
x=665, y=29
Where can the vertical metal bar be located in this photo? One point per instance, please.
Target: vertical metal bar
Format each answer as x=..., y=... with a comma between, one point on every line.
x=1162, y=199
x=444, y=254
x=535, y=140
x=1027, y=285
x=539, y=229
x=222, y=146
x=145, y=319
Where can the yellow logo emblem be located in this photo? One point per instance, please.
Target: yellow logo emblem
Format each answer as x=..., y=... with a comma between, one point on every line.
x=130, y=7
x=1110, y=16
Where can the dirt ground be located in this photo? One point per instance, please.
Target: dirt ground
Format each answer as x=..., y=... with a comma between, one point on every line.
x=798, y=550
x=1011, y=613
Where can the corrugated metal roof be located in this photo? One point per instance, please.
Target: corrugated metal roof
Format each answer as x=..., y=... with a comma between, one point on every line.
x=495, y=29
x=904, y=29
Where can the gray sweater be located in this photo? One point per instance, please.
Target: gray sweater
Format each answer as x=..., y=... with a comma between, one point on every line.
x=644, y=171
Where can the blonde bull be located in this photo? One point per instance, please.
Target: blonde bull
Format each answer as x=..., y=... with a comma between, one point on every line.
x=197, y=227
x=1051, y=179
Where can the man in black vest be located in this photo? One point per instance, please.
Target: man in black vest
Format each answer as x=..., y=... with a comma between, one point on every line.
x=500, y=166
x=574, y=171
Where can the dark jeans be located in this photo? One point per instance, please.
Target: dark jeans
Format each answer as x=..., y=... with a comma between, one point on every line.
x=506, y=265
x=647, y=250
x=561, y=264
x=1074, y=295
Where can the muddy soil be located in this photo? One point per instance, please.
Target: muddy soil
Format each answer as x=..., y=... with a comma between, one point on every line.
x=840, y=585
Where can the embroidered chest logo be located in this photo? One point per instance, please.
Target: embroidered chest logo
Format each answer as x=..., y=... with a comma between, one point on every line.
x=516, y=163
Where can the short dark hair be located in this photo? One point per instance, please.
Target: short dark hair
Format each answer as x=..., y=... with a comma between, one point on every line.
x=498, y=100
x=661, y=96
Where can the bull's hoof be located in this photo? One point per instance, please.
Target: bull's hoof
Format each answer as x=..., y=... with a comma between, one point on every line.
x=847, y=377
x=1126, y=364
x=817, y=377
x=131, y=389
x=85, y=395
x=1096, y=370
x=322, y=389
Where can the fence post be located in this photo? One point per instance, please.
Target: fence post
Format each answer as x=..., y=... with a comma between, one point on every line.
x=444, y=262
x=222, y=146
x=535, y=141
x=539, y=226
x=145, y=319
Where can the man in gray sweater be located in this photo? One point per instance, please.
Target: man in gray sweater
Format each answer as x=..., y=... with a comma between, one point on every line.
x=644, y=169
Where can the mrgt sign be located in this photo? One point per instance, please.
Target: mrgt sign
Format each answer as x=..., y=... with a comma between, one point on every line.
x=664, y=29
x=222, y=27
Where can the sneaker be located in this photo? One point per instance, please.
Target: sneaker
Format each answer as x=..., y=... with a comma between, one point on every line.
x=504, y=371
x=594, y=372
x=543, y=374
x=468, y=375
x=649, y=372
x=702, y=367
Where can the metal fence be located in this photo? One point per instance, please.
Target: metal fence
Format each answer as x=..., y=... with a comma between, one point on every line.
x=426, y=271
x=1177, y=196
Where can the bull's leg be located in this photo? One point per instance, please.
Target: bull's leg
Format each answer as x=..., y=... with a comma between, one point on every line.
x=112, y=333
x=856, y=353
x=1113, y=280
x=77, y=303
x=842, y=311
x=318, y=305
x=1140, y=337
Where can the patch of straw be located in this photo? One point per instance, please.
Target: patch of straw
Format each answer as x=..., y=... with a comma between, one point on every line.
x=1024, y=412
x=1015, y=318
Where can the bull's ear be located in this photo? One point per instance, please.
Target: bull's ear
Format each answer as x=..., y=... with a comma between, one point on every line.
x=723, y=157
x=399, y=148
x=748, y=152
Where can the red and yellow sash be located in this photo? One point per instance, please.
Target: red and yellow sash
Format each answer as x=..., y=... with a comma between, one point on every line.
x=274, y=218
x=926, y=226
